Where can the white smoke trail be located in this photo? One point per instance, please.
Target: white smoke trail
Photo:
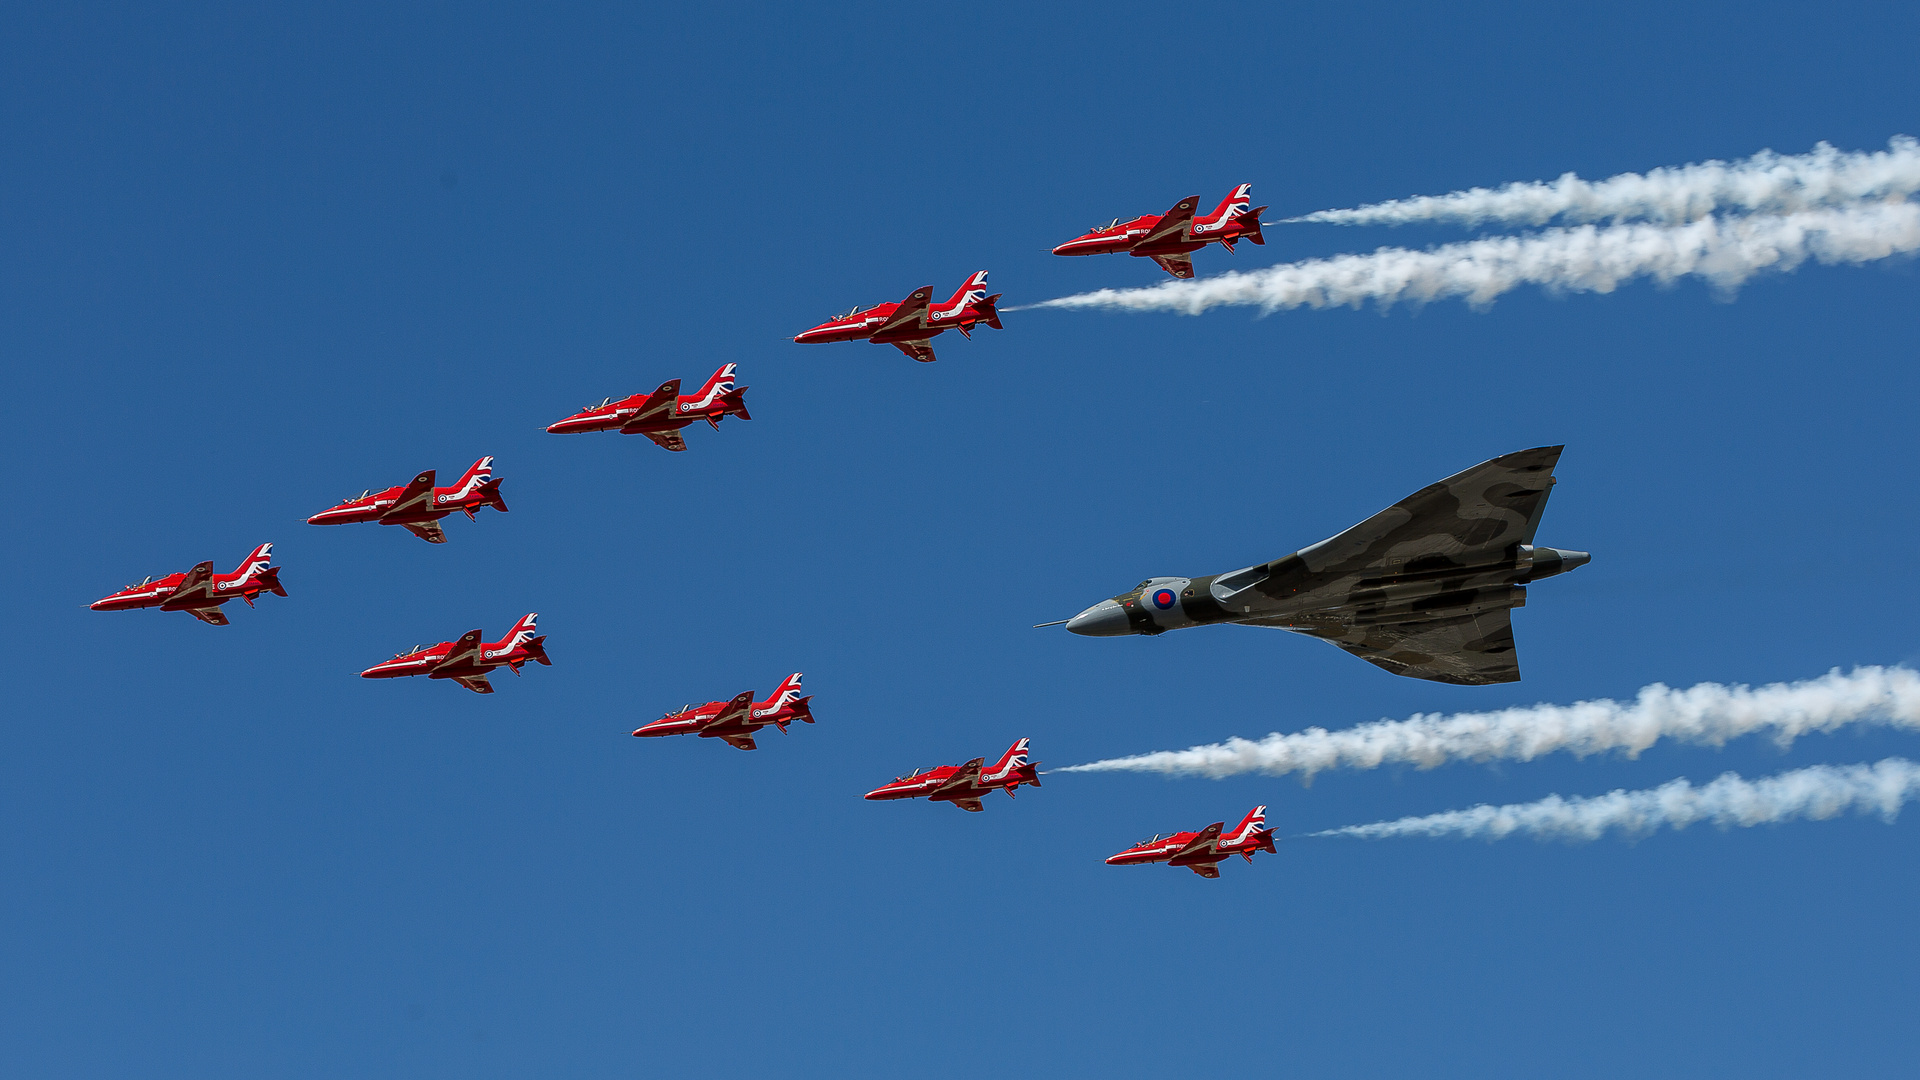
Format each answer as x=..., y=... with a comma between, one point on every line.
x=1708, y=714
x=1820, y=792
x=1766, y=183
x=1724, y=251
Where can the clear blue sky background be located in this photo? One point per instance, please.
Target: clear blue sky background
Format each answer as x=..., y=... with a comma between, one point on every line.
x=253, y=262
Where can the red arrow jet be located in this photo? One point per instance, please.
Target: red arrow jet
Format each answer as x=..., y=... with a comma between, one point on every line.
x=1202, y=851
x=468, y=660
x=964, y=785
x=419, y=506
x=200, y=591
x=660, y=415
x=1171, y=239
x=736, y=720
x=911, y=324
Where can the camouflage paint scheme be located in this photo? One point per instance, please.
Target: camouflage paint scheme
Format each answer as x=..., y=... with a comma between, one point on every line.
x=1424, y=588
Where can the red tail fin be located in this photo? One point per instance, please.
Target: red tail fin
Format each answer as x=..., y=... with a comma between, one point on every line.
x=270, y=580
x=717, y=384
x=988, y=313
x=490, y=492
x=1250, y=226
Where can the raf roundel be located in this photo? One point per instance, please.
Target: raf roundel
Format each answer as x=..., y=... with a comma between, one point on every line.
x=1163, y=599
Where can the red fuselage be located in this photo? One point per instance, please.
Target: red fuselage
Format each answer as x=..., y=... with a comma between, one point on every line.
x=378, y=506
x=151, y=593
x=618, y=415
x=469, y=659
x=431, y=661
x=1171, y=238
x=1202, y=851
x=857, y=325
x=200, y=590
x=914, y=322
x=963, y=785
x=698, y=719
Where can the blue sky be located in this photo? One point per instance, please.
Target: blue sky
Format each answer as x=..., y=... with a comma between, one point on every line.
x=253, y=262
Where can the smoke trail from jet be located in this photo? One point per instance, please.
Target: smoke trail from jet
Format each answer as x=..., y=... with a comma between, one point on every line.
x=1586, y=258
x=1818, y=793
x=1707, y=714
x=1766, y=183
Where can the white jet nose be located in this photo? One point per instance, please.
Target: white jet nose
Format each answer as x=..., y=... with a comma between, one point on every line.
x=1104, y=619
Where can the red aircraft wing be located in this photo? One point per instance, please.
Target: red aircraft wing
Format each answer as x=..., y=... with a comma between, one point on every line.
x=1180, y=266
x=962, y=778
x=660, y=401
x=430, y=531
x=210, y=615
x=195, y=581
x=735, y=711
x=669, y=440
x=921, y=350
x=476, y=683
x=416, y=493
x=463, y=652
x=1204, y=840
x=909, y=313
x=1172, y=228
x=740, y=742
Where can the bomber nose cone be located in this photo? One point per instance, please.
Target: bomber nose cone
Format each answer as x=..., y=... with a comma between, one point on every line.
x=1104, y=619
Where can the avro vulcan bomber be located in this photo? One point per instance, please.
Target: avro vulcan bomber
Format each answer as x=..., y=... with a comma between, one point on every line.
x=1424, y=588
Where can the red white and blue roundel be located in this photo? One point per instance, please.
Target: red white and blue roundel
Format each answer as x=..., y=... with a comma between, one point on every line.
x=1163, y=599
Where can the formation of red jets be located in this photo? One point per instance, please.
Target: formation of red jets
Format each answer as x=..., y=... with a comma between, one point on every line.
x=419, y=506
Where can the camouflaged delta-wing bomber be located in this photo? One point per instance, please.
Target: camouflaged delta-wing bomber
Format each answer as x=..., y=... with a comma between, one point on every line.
x=1424, y=588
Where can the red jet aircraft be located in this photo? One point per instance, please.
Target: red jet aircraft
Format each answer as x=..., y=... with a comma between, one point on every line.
x=1171, y=240
x=200, y=591
x=1202, y=851
x=964, y=785
x=419, y=506
x=660, y=415
x=911, y=324
x=736, y=720
x=468, y=660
